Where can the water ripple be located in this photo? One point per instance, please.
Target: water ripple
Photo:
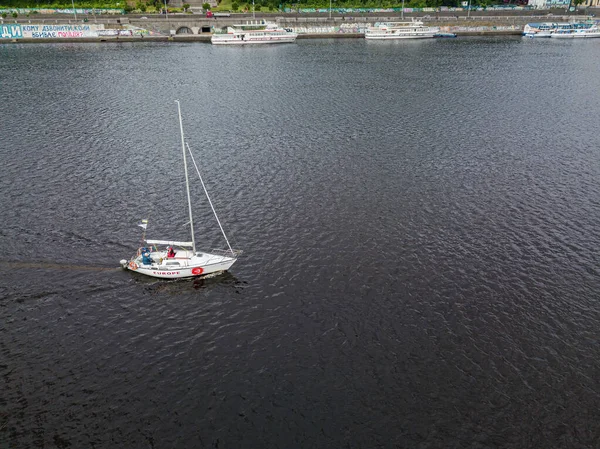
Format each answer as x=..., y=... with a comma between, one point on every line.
x=419, y=268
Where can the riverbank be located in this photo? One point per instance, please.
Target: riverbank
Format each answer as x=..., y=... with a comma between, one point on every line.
x=206, y=38
x=186, y=29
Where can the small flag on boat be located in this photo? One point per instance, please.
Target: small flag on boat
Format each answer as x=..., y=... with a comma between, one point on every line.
x=143, y=224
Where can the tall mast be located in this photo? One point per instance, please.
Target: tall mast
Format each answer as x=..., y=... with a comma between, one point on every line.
x=187, y=182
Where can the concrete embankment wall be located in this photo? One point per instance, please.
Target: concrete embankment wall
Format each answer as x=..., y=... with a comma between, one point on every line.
x=355, y=25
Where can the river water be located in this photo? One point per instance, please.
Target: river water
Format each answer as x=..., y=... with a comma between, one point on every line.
x=420, y=224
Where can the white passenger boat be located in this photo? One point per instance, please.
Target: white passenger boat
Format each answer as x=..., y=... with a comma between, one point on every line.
x=400, y=30
x=179, y=259
x=537, y=30
x=577, y=30
x=254, y=33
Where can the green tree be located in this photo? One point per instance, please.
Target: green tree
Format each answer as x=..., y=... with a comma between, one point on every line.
x=235, y=6
x=205, y=6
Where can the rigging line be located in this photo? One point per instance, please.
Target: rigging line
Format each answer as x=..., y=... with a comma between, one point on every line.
x=208, y=197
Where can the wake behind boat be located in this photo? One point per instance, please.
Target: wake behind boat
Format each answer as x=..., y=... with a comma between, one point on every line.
x=254, y=33
x=180, y=259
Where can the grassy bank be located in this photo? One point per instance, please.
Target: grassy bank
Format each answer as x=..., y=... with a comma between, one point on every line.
x=98, y=4
x=151, y=6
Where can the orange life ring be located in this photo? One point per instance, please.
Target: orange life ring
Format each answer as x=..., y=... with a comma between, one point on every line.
x=197, y=270
x=133, y=266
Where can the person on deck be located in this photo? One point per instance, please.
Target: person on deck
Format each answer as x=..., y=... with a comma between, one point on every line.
x=146, y=259
x=170, y=253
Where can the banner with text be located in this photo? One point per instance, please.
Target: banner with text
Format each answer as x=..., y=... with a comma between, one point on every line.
x=59, y=31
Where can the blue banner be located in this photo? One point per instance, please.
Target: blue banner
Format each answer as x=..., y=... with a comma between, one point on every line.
x=10, y=31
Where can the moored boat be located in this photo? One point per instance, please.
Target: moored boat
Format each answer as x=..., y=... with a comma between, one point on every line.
x=577, y=30
x=445, y=35
x=400, y=30
x=537, y=30
x=565, y=30
x=254, y=33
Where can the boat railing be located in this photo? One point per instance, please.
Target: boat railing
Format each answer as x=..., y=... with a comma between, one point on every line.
x=226, y=253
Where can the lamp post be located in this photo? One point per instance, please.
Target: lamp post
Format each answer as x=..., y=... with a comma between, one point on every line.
x=74, y=12
x=166, y=11
x=469, y=9
x=253, y=10
x=329, y=9
x=402, y=9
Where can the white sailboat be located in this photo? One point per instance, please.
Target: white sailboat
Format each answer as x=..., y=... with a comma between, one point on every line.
x=179, y=259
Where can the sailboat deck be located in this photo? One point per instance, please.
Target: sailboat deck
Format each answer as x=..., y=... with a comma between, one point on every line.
x=184, y=258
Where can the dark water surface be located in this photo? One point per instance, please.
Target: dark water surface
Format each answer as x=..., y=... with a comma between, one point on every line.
x=420, y=224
